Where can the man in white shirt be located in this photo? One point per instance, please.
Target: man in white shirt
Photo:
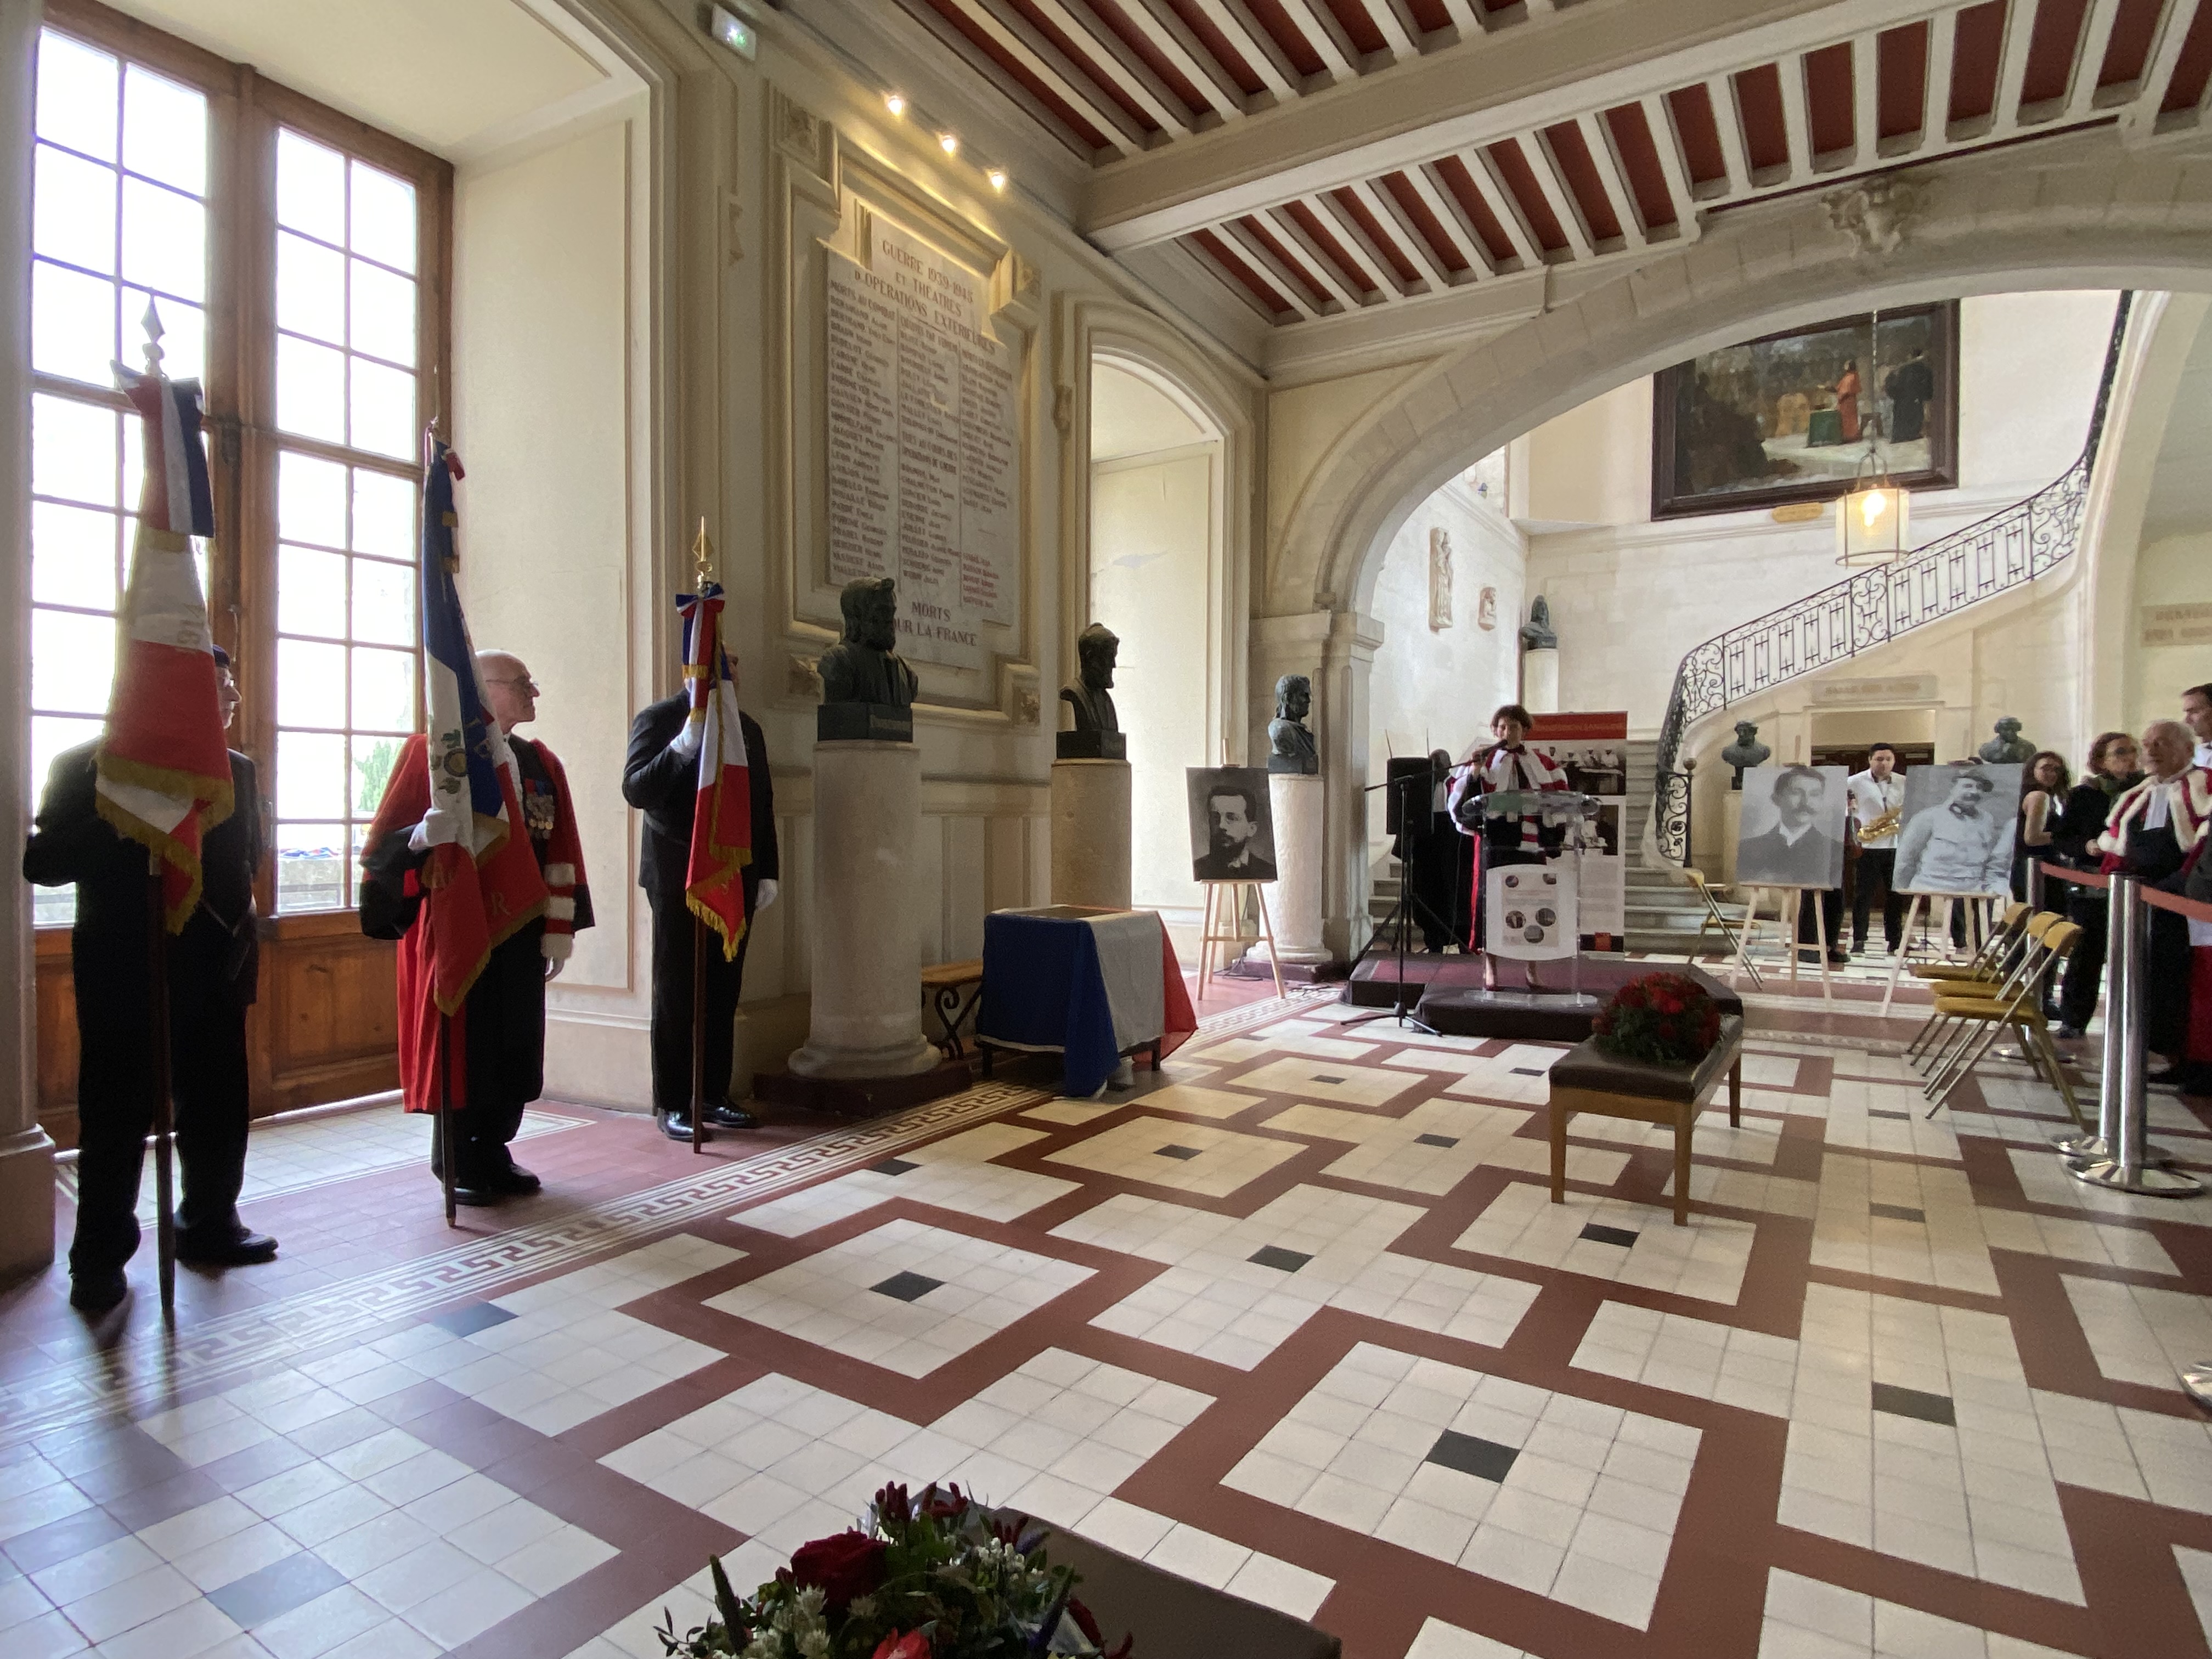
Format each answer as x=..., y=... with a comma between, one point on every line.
x=2196, y=716
x=1877, y=798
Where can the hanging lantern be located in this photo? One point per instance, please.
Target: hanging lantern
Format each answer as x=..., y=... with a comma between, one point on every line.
x=1871, y=519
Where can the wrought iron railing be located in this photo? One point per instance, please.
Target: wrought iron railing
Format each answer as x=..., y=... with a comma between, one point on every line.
x=1869, y=608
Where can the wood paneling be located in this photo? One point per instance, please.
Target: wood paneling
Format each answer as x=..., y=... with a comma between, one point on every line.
x=325, y=1027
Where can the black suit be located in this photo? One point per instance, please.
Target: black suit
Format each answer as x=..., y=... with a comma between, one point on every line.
x=1222, y=866
x=1768, y=860
x=665, y=786
x=213, y=973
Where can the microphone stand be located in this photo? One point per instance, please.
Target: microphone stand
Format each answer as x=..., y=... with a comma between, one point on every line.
x=1401, y=917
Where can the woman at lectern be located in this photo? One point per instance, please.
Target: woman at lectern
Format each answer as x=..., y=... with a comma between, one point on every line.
x=1506, y=764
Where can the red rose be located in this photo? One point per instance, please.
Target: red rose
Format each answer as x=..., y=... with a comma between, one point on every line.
x=909, y=1644
x=849, y=1564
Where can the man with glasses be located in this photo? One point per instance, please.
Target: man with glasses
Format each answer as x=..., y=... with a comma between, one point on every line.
x=500, y=1067
x=213, y=971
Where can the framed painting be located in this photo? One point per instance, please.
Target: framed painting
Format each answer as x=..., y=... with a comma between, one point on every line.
x=1792, y=417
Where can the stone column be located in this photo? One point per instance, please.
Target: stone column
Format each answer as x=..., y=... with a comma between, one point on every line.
x=1293, y=898
x=1540, y=680
x=866, y=1016
x=27, y=1155
x=1336, y=649
x=1091, y=819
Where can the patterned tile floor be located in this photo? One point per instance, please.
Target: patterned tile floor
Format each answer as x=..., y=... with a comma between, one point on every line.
x=1296, y=1319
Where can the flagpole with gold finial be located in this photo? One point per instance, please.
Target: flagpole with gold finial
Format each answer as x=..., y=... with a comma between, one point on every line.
x=442, y=1126
x=157, y=995
x=703, y=560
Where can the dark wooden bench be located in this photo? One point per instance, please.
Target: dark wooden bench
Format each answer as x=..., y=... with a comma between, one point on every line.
x=1171, y=1617
x=942, y=984
x=1585, y=1079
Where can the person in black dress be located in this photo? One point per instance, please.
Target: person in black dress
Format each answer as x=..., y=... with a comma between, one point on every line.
x=2112, y=770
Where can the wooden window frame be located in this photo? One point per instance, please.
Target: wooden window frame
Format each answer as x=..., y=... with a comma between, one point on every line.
x=244, y=111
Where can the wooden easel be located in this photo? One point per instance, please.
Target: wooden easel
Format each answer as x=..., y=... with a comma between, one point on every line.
x=1923, y=910
x=1794, y=911
x=1224, y=909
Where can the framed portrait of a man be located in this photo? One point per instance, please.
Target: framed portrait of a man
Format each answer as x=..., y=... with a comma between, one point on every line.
x=1793, y=827
x=1956, y=829
x=1792, y=416
x=1232, y=826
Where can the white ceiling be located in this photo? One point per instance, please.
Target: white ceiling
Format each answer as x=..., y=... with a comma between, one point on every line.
x=457, y=77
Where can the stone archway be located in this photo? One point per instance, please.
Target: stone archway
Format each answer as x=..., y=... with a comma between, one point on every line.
x=2078, y=213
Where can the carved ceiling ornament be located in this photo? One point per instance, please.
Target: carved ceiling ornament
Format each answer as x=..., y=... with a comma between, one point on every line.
x=1878, y=213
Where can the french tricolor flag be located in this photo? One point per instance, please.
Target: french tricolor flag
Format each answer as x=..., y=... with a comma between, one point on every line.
x=164, y=763
x=722, y=817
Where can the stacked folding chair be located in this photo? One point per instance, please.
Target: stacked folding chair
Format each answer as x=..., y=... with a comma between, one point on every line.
x=1989, y=965
x=2001, y=991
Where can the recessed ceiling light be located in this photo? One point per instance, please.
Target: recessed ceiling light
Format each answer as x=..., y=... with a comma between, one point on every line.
x=895, y=102
x=948, y=142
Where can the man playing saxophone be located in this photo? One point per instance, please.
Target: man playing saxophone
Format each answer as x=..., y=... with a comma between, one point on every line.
x=1877, y=799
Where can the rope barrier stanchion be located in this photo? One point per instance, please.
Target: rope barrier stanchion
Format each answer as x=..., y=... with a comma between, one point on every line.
x=2128, y=1168
x=2098, y=1148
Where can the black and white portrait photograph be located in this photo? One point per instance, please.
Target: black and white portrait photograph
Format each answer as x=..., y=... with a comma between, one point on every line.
x=1956, y=834
x=1232, y=830
x=1793, y=827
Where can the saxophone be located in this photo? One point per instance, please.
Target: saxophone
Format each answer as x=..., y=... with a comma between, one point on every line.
x=1884, y=825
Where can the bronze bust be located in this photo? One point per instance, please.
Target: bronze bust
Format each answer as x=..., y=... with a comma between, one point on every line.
x=1288, y=738
x=867, y=688
x=1089, y=696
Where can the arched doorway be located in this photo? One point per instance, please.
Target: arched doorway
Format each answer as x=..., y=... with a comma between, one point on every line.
x=1986, y=230
x=1157, y=552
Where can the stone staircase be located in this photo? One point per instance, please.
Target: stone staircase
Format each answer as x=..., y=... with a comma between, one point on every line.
x=1663, y=911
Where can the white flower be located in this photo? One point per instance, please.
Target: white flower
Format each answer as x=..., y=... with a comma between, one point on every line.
x=812, y=1600
x=764, y=1646
x=815, y=1644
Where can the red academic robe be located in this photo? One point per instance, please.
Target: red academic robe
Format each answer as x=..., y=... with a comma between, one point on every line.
x=521, y=885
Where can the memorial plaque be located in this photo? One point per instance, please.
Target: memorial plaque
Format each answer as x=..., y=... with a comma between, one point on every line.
x=924, y=445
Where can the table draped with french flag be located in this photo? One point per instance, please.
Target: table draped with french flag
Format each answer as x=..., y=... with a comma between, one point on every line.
x=1089, y=984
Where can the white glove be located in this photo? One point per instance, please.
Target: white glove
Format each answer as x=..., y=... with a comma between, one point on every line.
x=553, y=967
x=766, y=895
x=437, y=827
x=686, y=741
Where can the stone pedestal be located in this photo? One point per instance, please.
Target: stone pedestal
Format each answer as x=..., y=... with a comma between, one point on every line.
x=1091, y=833
x=1293, y=898
x=865, y=1021
x=1540, y=680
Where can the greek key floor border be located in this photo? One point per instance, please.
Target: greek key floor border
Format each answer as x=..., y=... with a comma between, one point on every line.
x=152, y=1368
x=148, y=1368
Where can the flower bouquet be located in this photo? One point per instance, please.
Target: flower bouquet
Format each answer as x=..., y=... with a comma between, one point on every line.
x=1662, y=1019
x=936, y=1576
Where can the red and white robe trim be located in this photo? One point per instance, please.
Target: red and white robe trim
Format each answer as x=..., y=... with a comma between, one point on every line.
x=1501, y=768
x=2189, y=810
x=564, y=867
x=2189, y=806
